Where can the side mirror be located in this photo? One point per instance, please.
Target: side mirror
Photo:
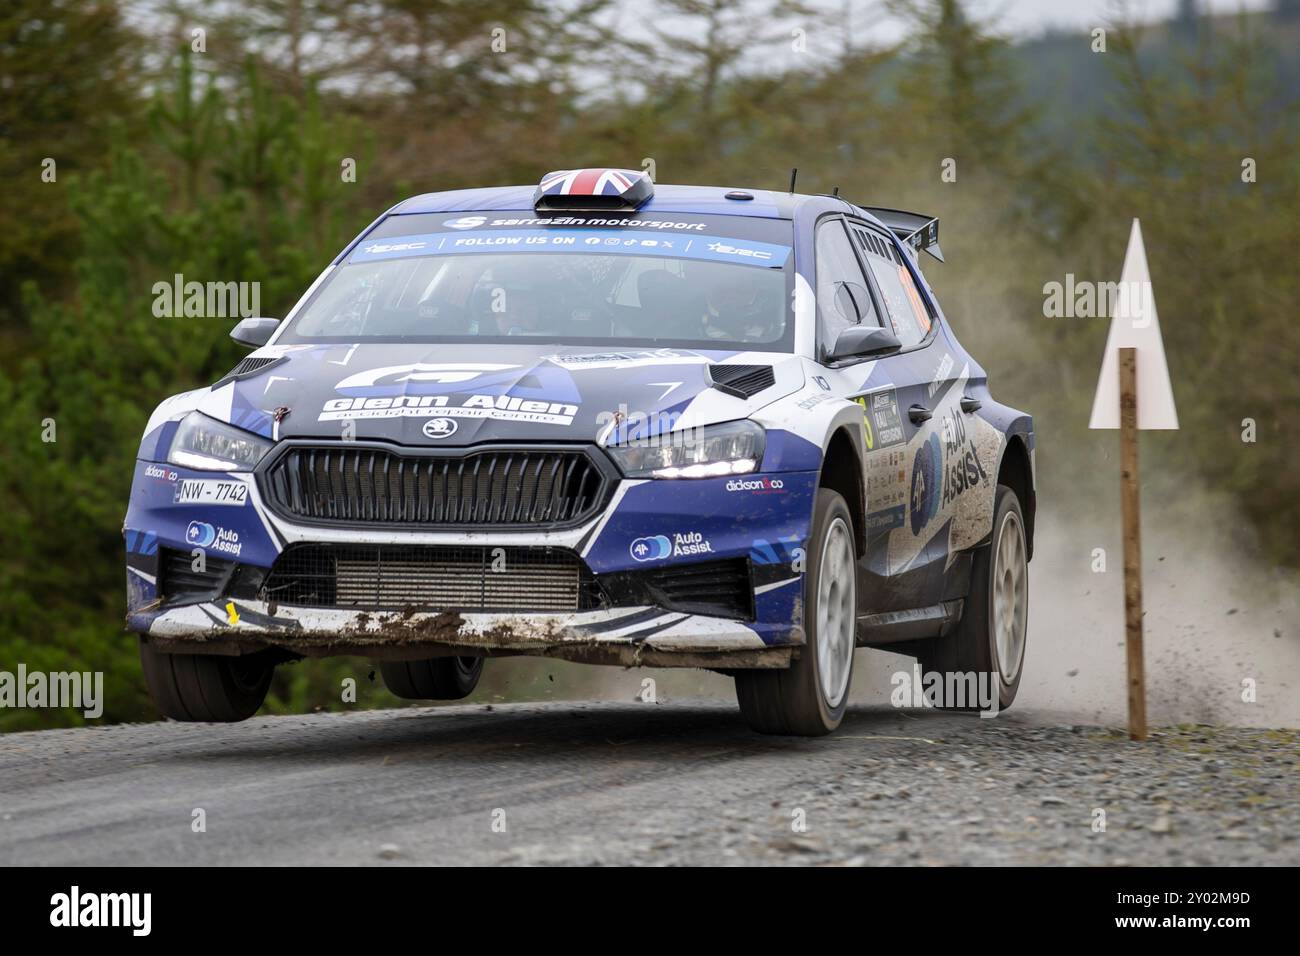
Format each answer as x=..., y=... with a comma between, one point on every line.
x=860, y=341
x=254, y=333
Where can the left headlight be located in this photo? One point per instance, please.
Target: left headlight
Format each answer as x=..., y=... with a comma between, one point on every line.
x=713, y=451
x=207, y=444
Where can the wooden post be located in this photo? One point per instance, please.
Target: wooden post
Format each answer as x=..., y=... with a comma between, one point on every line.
x=1129, y=502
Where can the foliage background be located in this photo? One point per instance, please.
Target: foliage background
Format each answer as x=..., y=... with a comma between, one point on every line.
x=225, y=165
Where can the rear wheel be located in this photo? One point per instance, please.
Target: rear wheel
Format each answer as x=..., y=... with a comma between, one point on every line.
x=809, y=698
x=203, y=687
x=990, y=639
x=439, y=678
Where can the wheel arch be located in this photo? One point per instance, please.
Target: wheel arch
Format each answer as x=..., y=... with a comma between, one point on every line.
x=842, y=472
x=1016, y=471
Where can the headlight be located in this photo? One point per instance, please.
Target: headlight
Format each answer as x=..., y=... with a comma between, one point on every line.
x=713, y=451
x=205, y=443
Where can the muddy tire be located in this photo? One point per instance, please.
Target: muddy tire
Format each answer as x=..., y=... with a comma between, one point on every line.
x=202, y=687
x=440, y=678
x=809, y=698
x=991, y=636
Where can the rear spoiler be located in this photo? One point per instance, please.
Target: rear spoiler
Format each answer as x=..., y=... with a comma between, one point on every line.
x=917, y=230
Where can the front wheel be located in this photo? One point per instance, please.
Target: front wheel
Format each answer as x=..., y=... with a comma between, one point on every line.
x=205, y=687
x=809, y=698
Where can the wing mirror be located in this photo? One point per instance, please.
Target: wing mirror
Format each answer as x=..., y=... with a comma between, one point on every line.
x=860, y=341
x=254, y=333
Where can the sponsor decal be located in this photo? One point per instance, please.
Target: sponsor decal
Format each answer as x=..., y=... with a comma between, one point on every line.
x=940, y=375
x=927, y=467
x=760, y=485
x=439, y=427
x=499, y=407
x=159, y=472
x=211, y=492
x=813, y=400
x=396, y=379
x=376, y=247
x=200, y=534
x=651, y=549
x=590, y=241
x=473, y=222
x=962, y=465
x=660, y=546
x=886, y=519
x=628, y=359
x=824, y=385
x=887, y=480
x=880, y=419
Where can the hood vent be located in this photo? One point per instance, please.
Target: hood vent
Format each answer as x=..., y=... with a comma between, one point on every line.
x=250, y=366
x=742, y=381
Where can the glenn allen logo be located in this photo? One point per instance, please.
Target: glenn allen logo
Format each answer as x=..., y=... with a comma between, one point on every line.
x=439, y=427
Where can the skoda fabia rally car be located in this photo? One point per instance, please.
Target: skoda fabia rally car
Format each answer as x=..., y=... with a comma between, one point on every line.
x=601, y=420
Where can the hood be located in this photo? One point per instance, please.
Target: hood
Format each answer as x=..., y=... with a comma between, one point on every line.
x=450, y=395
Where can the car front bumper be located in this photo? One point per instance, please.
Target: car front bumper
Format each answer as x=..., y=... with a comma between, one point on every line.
x=762, y=519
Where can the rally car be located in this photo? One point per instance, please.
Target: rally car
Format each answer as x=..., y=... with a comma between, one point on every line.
x=598, y=419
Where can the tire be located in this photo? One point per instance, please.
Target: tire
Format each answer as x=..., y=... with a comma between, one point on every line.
x=203, y=687
x=809, y=698
x=439, y=678
x=991, y=636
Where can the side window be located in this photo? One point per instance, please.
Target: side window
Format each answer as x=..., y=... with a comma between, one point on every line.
x=842, y=296
x=902, y=300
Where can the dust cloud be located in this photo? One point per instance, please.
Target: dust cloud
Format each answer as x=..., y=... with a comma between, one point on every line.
x=1216, y=617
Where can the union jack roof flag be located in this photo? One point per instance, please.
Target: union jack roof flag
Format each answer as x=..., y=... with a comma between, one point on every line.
x=615, y=187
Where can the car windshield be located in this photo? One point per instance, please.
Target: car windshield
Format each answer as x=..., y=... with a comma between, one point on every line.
x=722, y=283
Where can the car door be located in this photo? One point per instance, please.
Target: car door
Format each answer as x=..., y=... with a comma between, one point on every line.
x=905, y=414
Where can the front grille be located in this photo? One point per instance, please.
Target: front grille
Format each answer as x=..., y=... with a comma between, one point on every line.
x=431, y=578
x=494, y=487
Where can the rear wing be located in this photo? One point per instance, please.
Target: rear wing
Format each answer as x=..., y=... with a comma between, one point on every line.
x=917, y=230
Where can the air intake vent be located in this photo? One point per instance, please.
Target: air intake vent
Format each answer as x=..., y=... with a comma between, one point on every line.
x=431, y=578
x=742, y=381
x=179, y=582
x=248, y=367
x=362, y=484
x=718, y=588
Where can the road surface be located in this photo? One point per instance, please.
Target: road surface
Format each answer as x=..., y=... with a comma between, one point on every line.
x=681, y=782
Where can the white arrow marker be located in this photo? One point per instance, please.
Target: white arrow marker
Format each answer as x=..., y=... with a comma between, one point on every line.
x=1134, y=324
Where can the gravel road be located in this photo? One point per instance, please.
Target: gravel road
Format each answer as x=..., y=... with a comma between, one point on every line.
x=682, y=782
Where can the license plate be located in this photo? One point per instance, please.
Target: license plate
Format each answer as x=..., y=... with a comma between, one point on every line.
x=204, y=492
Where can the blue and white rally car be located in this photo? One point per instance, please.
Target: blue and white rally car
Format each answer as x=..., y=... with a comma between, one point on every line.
x=602, y=420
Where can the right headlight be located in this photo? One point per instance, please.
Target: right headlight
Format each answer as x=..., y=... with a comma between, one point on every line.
x=209, y=445
x=711, y=451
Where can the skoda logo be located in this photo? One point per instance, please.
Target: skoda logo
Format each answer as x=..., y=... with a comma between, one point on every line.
x=439, y=427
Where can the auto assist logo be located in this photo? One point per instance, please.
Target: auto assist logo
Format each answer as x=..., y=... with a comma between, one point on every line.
x=200, y=534
x=660, y=546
